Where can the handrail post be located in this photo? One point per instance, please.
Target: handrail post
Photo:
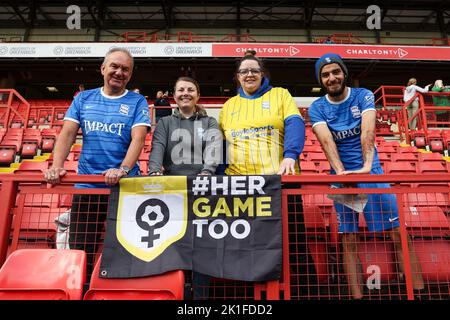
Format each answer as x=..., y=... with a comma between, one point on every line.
x=423, y=113
x=286, y=284
x=8, y=111
x=9, y=192
x=405, y=248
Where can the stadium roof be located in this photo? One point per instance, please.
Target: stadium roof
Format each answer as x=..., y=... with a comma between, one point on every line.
x=408, y=15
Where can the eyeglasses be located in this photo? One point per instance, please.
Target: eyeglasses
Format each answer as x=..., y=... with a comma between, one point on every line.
x=244, y=72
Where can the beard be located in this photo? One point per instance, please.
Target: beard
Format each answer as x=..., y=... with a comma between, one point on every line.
x=337, y=92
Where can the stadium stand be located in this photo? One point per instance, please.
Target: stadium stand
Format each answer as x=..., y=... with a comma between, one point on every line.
x=415, y=161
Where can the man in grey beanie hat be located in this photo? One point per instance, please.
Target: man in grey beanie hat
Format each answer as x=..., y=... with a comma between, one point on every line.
x=327, y=59
x=344, y=122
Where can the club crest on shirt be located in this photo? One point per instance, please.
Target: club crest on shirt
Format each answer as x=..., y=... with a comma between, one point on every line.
x=123, y=109
x=355, y=112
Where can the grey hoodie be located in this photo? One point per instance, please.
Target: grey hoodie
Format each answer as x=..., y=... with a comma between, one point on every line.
x=186, y=146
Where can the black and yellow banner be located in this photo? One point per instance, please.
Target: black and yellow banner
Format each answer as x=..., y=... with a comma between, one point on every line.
x=223, y=226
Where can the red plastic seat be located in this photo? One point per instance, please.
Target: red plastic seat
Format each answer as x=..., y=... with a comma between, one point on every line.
x=143, y=167
x=11, y=143
x=167, y=286
x=38, y=219
x=314, y=221
x=71, y=166
x=47, y=200
x=324, y=167
x=325, y=204
x=43, y=274
x=7, y=155
x=426, y=221
x=408, y=149
x=394, y=144
x=388, y=149
x=419, y=138
x=316, y=157
x=308, y=168
x=383, y=129
x=399, y=168
x=437, y=145
x=430, y=157
x=427, y=199
x=317, y=240
x=49, y=133
x=32, y=167
x=312, y=148
x=47, y=144
x=384, y=157
x=377, y=255
x=407, y=156
x=29, y=149
x=434, y=258
x=420, y=142
x=16, y=125
x=431, y=167
x=379, y=141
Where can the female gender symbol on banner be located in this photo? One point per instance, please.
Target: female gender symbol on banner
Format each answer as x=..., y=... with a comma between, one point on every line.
x=152, y=214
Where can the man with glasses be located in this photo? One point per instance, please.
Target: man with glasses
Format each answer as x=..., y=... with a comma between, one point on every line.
x=265, y=135
x=262, y=125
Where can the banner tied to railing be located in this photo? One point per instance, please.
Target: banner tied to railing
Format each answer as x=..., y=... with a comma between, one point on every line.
x=223, y=226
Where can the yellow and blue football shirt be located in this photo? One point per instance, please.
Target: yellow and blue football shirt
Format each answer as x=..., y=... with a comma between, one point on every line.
x=254, y=129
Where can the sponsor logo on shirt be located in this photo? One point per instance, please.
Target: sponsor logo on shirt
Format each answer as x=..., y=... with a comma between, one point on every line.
x=115, y=128
x=369, y=100
x=369, y=97
x=124, y=109
x=248, y=133
x=339, y=135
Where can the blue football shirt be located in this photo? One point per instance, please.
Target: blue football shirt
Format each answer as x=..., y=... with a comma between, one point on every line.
x=106, y=123
x=344, y=121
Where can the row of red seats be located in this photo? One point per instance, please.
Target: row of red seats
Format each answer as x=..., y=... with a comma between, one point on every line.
x=25, y=143
x=27, y=275
x=428, y=225
x=435, y=140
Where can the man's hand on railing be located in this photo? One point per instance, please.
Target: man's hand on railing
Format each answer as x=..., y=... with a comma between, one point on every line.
x=365, y=169
x=53, y=175
x=113, y=175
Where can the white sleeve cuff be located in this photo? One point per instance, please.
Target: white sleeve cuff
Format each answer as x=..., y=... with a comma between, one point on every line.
x=141, y=124
x=317, y=123
x=71, y=119
x=369, y=109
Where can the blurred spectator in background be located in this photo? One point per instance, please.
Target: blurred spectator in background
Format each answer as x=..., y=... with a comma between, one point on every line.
x=80, y=88
x=410, y=91
x=441, y=101
x=162, y=100
x=328, y=40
